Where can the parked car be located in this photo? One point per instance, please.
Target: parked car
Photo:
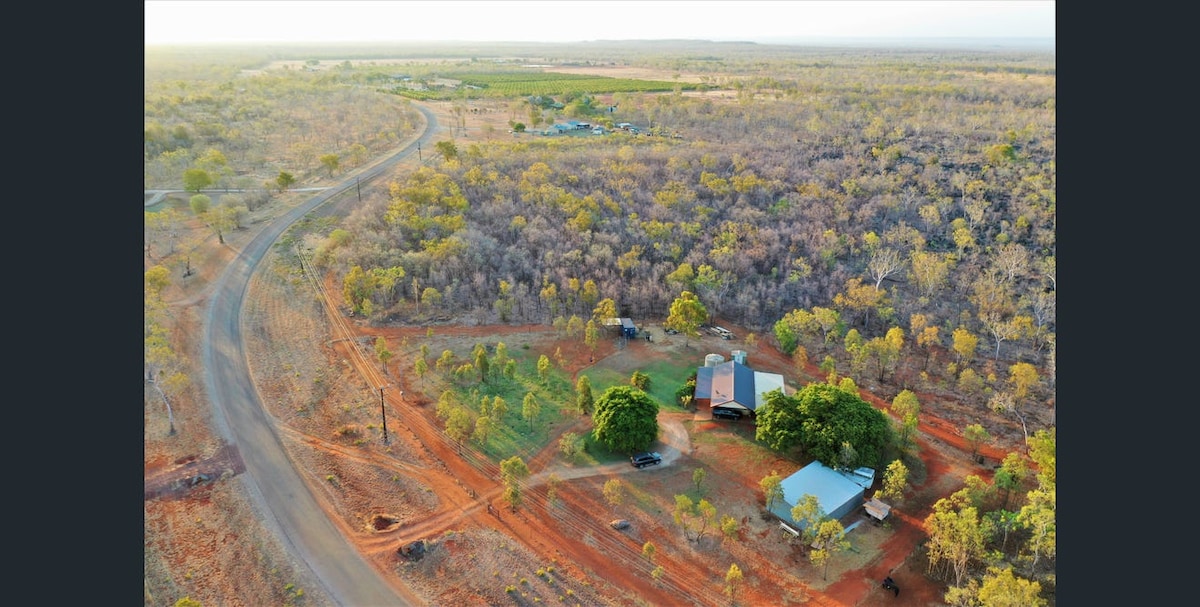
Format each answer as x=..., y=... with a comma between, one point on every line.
x=726, y=414
x=672, y=332
x=619, y=524
x=647, y=458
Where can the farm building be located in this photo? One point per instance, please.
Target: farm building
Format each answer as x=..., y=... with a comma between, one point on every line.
x=733, y=385
x=838, y=492
x=628, y=329
x=877, y=509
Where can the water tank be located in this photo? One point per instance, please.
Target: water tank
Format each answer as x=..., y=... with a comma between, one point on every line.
x=713, y=360
x=739, y=355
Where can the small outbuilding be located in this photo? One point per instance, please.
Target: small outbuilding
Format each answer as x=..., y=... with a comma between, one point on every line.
x=877, y=509
x=628, y=329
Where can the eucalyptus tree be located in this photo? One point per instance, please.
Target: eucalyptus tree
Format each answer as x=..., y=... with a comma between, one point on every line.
x=772, y=486
x=686, y=315
x=830, y=539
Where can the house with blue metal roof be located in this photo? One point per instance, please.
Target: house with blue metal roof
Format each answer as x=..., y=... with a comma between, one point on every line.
x=733, y=385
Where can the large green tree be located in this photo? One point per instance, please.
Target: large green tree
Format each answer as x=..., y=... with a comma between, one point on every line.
x=778, y=421
x=686, y=315
x=819, y=419
x=195, y=180
x=626, y=419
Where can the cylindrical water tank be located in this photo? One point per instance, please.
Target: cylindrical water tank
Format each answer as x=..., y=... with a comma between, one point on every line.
x=713, y=360
x=740, y=356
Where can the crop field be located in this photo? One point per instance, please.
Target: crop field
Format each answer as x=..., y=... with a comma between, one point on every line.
x=522, y=84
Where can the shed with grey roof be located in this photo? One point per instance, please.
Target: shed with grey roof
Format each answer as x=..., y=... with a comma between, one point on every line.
x=838, y=492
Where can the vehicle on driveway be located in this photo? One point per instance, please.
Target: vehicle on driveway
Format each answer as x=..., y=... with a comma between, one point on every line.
x=722, y=332
x=726, y=414
x=646, y=458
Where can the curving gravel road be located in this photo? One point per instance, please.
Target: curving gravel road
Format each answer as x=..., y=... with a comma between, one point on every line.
x=276, y=487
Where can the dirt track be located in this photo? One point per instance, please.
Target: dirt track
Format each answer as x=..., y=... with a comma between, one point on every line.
x=444, y=497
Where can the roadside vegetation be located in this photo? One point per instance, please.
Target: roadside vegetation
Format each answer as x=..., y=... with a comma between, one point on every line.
x=890, y=218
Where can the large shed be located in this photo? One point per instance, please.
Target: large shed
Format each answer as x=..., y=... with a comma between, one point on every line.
x=838, y=492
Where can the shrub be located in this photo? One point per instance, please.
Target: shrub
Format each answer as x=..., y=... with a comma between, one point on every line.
x=640, y=380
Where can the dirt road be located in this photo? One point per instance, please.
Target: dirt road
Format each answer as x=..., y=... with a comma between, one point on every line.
x=276, y=485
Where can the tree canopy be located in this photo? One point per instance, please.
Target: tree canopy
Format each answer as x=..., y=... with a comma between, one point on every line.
x=626, y=419
x=195, y=180
x=821, y=417
x=686, y=315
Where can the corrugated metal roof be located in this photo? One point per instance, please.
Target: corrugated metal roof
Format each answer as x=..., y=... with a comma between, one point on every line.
x=833, y=490
x=765, y=382
x=703, y=383
x=732, y=384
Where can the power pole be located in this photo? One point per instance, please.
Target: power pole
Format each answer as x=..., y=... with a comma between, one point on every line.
x=383, y=412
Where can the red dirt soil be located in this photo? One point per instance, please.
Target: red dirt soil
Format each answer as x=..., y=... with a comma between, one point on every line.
x=862, y=587
x=184, y=489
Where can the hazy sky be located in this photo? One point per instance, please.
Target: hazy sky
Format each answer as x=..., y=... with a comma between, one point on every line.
x=184, y=21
